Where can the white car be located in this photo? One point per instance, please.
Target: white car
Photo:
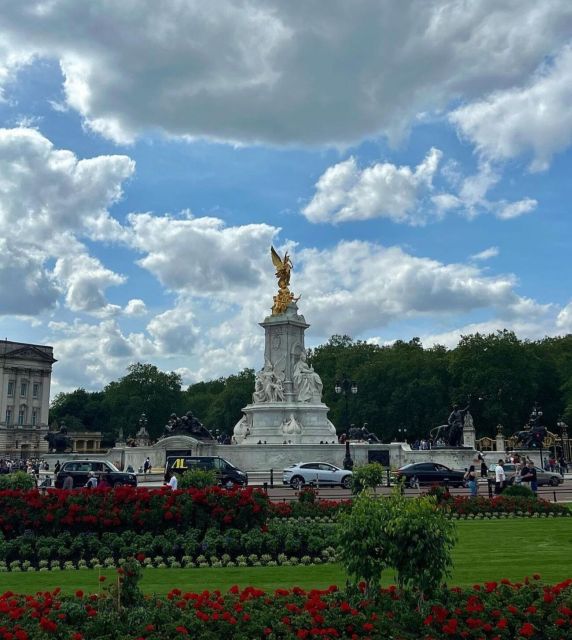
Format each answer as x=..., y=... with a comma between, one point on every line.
x=316, y=473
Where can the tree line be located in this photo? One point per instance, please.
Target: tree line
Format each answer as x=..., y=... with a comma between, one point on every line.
x=399, y=386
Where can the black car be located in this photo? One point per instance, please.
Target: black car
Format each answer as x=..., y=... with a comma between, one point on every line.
x=79, y=471
x=227, y=473
x=430, y=473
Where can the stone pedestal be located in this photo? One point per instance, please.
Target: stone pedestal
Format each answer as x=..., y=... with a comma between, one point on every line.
x=287, y=402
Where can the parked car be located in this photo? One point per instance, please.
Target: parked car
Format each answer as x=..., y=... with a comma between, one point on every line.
x=513, y=475
x=420, y=473
x=227, y=473
x=316, y=473
x=79, y=471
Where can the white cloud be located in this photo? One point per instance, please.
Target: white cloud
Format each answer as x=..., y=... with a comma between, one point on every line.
x=564, y=319
x=486, y=254
x=533, y=119
x=202, y=256
x=358, y=287
x=311, y=76
x=471, y=198
x=49, y=200
x=135, y=307
x=516, y=209
x=174, y=331
x=25, y=286
x=345, y=193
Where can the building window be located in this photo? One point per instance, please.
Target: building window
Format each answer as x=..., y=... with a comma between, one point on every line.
x=23, y=389
x=35, y=389
x=22, y=415
x=11, y=385
x=34, y=417
x=9, y=415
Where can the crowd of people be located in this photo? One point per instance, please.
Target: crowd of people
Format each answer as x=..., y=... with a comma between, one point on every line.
x=31, y=466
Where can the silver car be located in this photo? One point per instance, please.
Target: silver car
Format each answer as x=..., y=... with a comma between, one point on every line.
x=542, y=477
x=316, y=473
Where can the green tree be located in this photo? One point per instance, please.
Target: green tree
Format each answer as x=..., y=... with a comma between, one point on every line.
x=147, y=390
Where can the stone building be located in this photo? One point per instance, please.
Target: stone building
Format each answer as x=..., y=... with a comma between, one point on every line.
x=25, y=376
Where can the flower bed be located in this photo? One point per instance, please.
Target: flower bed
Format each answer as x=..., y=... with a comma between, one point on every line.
x=499, y=611
x=93, y=510
x=506, y=505
x=281, y=542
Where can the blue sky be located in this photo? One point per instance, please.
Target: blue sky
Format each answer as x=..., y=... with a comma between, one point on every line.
x=413, y=157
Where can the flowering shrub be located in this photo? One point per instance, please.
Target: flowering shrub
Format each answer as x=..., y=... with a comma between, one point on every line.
x=308, y=509
x=516, y=505
x=494, y=611
x=125, y=508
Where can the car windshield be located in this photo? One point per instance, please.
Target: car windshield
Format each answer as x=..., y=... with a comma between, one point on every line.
x=228, y=464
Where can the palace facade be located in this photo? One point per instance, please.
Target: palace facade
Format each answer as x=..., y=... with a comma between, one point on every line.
x=25, y=377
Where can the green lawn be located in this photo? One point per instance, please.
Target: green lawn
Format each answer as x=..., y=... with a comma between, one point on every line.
x=487, y=550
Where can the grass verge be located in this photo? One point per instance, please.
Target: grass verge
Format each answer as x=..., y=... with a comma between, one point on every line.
x=487, y=550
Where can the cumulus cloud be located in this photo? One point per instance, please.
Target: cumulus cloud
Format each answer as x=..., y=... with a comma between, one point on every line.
x=564, y=319
x=533, y=119
x=26, y=288
x=202, y=256
x=49, y=200
x=344, y=192
x=135, y=307
x=360, y=286
x=311, y=77
x=471, y=198
x=174, y=331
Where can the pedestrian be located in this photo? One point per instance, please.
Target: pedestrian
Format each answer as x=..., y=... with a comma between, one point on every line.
x=104, y=482
x=171, y=480
x=500, y=477
x=147, y=465
x=471, y=480
x=91, y=481
x=484, y=468
x=528, y=474
x=68, y=483
x=563, y=466
x=57, y=467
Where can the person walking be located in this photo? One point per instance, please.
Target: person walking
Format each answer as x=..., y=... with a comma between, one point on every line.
x=500, y=478
x=471, y=480
x=68, y=483
x=91, y=481
x=147, y=465
x=528, y=474
x=57, y=467
x=171, y=480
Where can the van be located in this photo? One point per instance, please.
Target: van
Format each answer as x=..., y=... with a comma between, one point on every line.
x=227, y=473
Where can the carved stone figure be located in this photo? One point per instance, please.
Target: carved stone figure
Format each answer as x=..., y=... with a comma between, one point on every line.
x=241, y=430
x=363, y=433
x=307, y=383
x=268, y=387
x=290, y=426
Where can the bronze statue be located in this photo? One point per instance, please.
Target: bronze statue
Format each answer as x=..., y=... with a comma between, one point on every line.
x=284, y=296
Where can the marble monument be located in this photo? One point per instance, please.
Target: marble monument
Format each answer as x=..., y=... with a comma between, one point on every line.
x=286, y=405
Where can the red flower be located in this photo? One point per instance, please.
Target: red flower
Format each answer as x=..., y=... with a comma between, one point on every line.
x=102, y=578
x=77, y=636
x=527, y=630
x=79, y=593
x=267, y=631
x=150, y=627
x=367, y=626
x=182, y=630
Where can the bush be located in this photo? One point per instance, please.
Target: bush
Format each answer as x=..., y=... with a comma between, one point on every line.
x=368, y=476
x=18, y=480
x=518, y=490
x=198, y=479
x=307, y=495
x=414, y=537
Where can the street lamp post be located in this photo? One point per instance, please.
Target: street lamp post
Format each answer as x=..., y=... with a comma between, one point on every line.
x=346, y=387
x=536, y=419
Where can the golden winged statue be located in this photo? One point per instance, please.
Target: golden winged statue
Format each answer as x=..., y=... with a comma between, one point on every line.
x=283, y=268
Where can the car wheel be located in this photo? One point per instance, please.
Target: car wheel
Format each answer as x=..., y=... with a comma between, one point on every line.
x=346, y=482
x=297, y=482
x=554, y=482
x=414, y=482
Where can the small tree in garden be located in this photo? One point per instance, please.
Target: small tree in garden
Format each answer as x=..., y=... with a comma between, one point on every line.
x=363, y=544
x=412, y=536
x=421, y=538
x=368, y=476
x=198, y=479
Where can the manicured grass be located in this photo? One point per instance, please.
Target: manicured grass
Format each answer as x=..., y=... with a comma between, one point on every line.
x=487, y=550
